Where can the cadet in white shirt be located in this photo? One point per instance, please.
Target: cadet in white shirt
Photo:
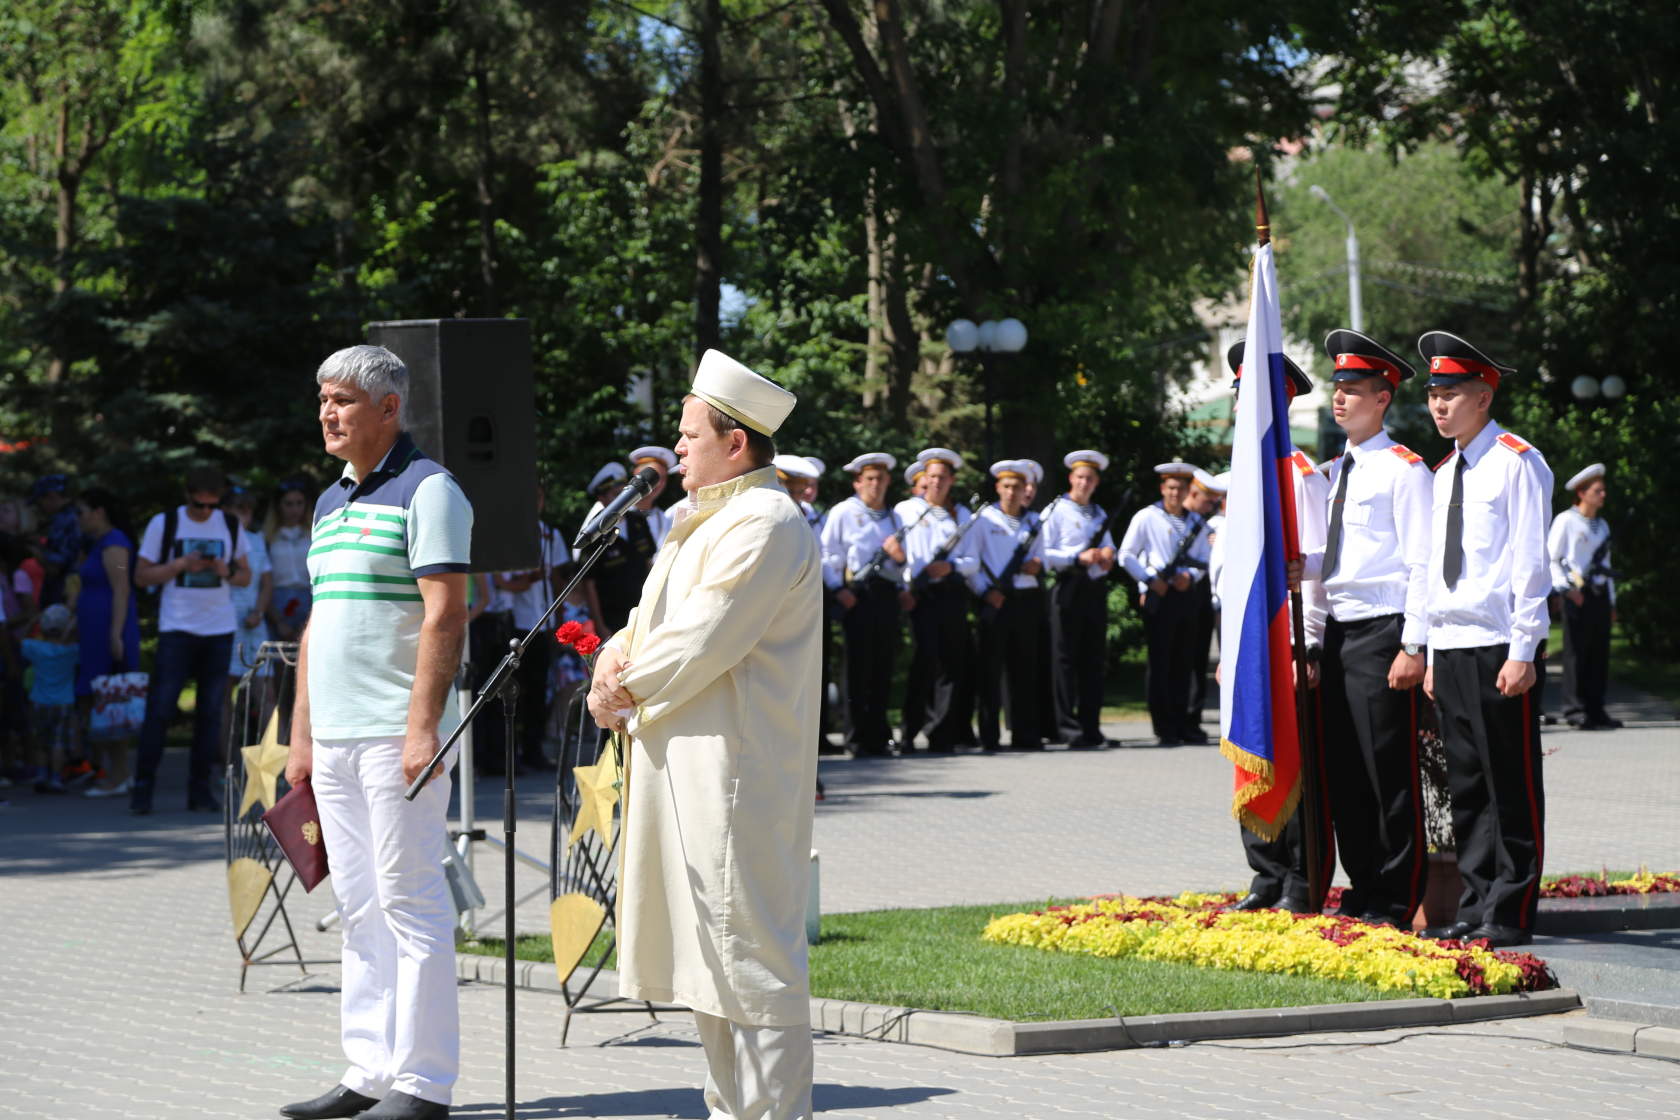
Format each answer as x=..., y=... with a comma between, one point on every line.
x=939, y=691
x=1010, y=555
x=1165, y=550
x=1079, y=549
x=1374, y=566
x=1488, y=581
x=1579, y=547
x=1204, y=501
x=663, y=460
x=862, y=557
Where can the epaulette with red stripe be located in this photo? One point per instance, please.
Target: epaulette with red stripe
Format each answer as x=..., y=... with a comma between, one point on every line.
x=1302, y=463
x=1444, y=459
x=1512, y=443
x=1406, y=453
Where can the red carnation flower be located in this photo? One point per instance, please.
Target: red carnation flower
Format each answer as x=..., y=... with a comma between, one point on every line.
x=587, y=644
x=568, y=633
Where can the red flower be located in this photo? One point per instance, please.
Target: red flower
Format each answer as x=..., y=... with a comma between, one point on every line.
x=568, y=633
x=587, y=644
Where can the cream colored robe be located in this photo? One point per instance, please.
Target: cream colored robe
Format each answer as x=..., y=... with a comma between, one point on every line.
x=725, y=651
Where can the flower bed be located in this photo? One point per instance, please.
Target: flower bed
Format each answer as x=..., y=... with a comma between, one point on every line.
x=1194, y=929
x=1592, y=886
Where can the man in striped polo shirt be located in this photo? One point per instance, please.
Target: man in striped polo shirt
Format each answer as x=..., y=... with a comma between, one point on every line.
x=388, y=561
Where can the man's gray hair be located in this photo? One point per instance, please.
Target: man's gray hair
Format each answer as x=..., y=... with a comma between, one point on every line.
x=372, y=369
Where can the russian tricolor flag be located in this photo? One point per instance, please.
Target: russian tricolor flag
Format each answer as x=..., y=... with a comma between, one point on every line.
x=1258, y=729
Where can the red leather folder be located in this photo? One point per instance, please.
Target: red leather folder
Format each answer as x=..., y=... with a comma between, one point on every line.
x=296, y=825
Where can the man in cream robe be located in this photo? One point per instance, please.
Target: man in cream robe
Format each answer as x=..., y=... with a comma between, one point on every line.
x=716, y=680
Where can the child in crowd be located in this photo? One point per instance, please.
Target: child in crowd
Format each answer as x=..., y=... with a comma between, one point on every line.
x=52, y=694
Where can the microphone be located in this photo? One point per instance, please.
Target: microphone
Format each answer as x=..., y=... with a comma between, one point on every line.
x=605, y=523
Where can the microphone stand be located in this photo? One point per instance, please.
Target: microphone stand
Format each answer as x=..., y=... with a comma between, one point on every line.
x=504, y=683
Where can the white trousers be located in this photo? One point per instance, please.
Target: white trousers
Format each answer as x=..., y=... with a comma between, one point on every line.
x=756, y=1073
x=399, y=1018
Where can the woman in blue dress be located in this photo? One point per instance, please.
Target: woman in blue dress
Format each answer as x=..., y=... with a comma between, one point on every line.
x=109, y=621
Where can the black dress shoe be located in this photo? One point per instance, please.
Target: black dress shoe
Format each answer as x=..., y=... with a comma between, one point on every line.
x=1196, y=738
x=1254, y=900
x=1294, y=903
x=403, y=1106
x=1498, y=936
x=1452, y=931
x=1377, y=918
x=337, y=1101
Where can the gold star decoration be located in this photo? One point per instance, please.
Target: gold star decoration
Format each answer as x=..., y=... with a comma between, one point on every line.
x=264, y=763
x=597, y=793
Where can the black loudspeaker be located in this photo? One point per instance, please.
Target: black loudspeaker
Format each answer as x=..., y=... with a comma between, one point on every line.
x=472, y=407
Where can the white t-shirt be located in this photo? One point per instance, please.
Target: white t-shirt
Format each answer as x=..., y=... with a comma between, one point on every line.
x=528, y=605
x=194, y=602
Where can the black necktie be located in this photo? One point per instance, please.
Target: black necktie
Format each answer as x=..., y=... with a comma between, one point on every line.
x=1333, y=540
x=1452, y=563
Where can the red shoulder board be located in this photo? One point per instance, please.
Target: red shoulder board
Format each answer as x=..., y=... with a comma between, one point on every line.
x=1406, y=453
x=1444, y=460
x=1513, y=442
x=1302, y=463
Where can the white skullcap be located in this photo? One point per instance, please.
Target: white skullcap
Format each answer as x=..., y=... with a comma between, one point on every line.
x=612, y=472
x=794, y=466
x=943, y=454
x=870, y=459
x=651, y=454
x=741, y=394
x=1087, y=458
x=1586, y=475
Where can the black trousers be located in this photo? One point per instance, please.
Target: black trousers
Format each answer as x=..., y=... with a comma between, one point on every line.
x=871, y=630
x=1586, y=654
x=1370, y=751
x=1167, y=623
x=1009, y=666
x=1201, y=641
x=1078, y=641
x=1492, y=744
x=939, y=694
x=1280, y=865
x=532, y=709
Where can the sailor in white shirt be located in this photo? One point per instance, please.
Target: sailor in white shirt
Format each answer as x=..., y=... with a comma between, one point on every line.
x=1489, y=576
x=862, y=559
x=619, y=573
x=1165, y=550
x=939, y=691
x=1079, y=550
x=663, y=460
x=1010, y=556
x=1204, y=501
x=798, y=475
x=1374, y=565
x=1579, y=547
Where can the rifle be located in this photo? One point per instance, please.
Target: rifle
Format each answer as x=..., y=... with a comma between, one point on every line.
x=1003, y=582
x=873, y=568
x=919, y=584
x=1181, y=559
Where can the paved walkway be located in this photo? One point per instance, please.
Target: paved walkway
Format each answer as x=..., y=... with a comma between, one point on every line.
x=119, y=977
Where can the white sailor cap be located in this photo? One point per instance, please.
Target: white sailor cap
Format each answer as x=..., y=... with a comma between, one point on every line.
x=1584, y=476
x=1096, y=460
x=1175, y=470
x=794, y=466
x=661, y=455
x=741, y=394
x=1221, y=483
x=817, y=465
x=1205, y=481
x=943, y=454
x=1017, y=467
x=611, y=474
x=1035, y=470
x=871, y=459
x=913, y=470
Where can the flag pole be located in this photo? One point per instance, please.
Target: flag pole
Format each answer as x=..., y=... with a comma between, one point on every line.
x=1312, y=840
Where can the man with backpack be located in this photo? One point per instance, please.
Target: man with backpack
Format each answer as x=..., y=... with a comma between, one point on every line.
x=193, y=553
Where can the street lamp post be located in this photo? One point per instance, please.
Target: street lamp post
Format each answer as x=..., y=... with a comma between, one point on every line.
x=1356, y=306
x=1005, y=336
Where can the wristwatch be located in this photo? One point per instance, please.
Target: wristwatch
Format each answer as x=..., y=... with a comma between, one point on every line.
x=1412, y=649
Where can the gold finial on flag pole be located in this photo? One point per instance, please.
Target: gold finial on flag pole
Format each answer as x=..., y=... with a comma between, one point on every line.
x=1262, y=225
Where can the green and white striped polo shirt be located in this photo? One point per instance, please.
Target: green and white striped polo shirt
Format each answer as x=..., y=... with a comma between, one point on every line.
x=372, y=541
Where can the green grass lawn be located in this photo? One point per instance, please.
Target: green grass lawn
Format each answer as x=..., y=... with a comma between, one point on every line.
x=934, y=960
x=1658, y=676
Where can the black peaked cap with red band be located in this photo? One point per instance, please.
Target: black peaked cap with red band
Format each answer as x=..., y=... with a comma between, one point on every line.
x=1357, y=356
x=1298, y=381
x=1453, y=361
